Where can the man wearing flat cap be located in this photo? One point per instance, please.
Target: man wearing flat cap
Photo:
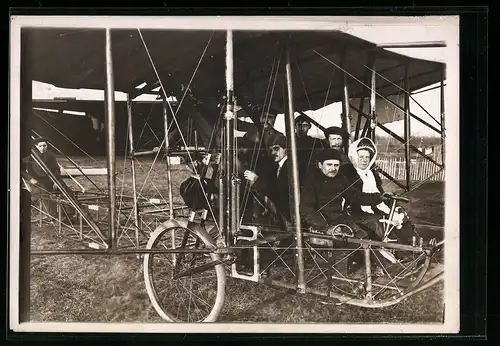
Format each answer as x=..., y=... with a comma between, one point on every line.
x=323, y=193
x=306, y=146
x=33, y=173
x=336, y=138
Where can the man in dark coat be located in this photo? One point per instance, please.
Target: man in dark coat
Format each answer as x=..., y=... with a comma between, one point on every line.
x=307, y=146
x=33, y=173
x=323, y=193
x=322, y=203
x=336, y=138
x=274, y=184
x=198, y=190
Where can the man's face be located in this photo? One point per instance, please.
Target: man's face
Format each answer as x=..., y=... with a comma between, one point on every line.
x=301, y=129
x=267, y=120
x=335, y=141
x=42, y=147
x=330, y=168
x=277, y=153
x=363, y=159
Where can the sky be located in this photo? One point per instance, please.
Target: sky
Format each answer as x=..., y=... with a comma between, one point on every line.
x=380, y=32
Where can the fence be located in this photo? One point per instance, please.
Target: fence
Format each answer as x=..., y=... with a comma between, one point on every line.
x=420, y=168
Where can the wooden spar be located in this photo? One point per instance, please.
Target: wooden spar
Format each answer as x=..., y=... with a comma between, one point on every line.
x=407, y=129
x=373, y=115
x=346, y=120
x=132, y=164
x=167, y=154
x=362, y=107
x=229, y=116
x=293, y=164
x=110, y=140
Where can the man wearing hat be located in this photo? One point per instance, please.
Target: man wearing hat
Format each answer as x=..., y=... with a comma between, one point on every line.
x=322, y=202
x=33, y=173
x=275, y=184
x=263, y=131
x=323, y=193
x=336, y=138
x=306, y=145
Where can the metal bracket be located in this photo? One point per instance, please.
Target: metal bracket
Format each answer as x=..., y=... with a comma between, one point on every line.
x=256, y=263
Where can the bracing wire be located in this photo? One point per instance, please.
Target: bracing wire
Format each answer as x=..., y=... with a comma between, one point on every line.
x=178, y=107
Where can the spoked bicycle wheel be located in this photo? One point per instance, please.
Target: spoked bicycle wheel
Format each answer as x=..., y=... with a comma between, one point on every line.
x=184, y=286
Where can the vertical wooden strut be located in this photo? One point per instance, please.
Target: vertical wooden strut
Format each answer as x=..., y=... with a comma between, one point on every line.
x=132, y=163
x=407, y=129
x=167, y=162
x=373, y=115
x=346, y=119
x=229, y=158
x=293, y=164
x=110, y=140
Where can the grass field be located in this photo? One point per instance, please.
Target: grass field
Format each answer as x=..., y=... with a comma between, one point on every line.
x=85, y=288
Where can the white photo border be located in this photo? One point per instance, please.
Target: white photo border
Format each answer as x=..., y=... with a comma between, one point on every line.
x=450, y=24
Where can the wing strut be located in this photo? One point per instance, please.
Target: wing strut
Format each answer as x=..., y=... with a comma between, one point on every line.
x=110, y=140
x=293, y=164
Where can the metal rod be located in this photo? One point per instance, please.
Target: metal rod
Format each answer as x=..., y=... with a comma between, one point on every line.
x=66, y=193
x=416, y=117
x=443, y=135
x=373, y=114
x=132, y=163
x=167, y=157
x=346, y=120
x=229, y=117
x=423, y=44
x=410, y=95
x=197, y=269
x=368, y=269
x=425, y=90
x=314, y=122
x=293, y=168
x=110, y=139
x=116, y=251
x=372, y=243
x=361, y=106
x=174, y=152
x=391, y=178
x=412, y=147
x=77, y=166
x=222, y=187
x=407, y=129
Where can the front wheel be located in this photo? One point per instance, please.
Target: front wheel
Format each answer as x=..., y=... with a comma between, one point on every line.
x=176, y=294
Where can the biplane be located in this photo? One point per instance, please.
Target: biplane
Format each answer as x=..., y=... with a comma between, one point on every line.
x=218, y=78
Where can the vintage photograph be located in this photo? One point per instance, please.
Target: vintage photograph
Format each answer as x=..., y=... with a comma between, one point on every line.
x=264, y=174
